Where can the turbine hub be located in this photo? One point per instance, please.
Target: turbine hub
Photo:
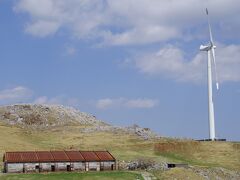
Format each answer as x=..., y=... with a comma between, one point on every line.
x=205, y=47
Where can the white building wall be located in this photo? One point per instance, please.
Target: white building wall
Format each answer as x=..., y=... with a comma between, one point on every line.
x=30, y=167
x=62, y=166
x=107, y=165
x=14, y=167
x=78, y=166
x=45, y=166
x=94, y=166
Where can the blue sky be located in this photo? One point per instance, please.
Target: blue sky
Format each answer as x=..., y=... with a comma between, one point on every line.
x=127, y=62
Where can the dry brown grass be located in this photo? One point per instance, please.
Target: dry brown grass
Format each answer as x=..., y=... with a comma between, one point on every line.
x=178, y=174
x=184, y=147
x=122, y=145
x=222, y=154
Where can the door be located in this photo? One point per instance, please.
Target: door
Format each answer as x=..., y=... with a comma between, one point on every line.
x=53, y=168
x=68, y=168
x=37, y=168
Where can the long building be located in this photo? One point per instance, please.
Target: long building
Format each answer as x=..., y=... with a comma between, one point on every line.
x=50, y=161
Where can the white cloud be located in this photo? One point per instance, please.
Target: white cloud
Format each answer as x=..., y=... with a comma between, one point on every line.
x=128, y=21
x=21, y=94
x=41, y=100
x=42, y=28
x=15, y=95
x=63, y=100
x=126, y=103
x=171, y=62
x=48, y=16
x=134, y=22
x=141, y=103
x=229, y=62
x=104, y=103
x=141, y=35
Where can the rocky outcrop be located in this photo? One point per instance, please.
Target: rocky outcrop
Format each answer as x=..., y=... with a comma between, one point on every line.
x=44, y=116
x=216, y=173
x=143, y=133
x=38, y=116
x=143, y=164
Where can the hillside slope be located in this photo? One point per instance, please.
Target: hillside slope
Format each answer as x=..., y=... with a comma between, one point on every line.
x=40, y=127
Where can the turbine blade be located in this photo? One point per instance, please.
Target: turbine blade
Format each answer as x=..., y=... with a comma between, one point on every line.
x=215, y=67
x=209, y=27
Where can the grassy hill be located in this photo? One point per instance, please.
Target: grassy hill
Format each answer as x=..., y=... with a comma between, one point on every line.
x=206, y=159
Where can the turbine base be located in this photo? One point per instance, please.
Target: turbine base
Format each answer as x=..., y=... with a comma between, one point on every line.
x=211, y=140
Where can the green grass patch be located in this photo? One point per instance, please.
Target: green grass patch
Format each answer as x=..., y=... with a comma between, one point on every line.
x=116, y=175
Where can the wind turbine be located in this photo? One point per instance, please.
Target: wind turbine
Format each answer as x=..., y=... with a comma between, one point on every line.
x=210, y=49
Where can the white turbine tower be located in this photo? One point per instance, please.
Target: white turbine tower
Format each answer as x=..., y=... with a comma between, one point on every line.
x=210, y=49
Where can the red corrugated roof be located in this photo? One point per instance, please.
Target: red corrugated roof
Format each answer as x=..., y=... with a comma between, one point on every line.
x=57, y=156
x=104, y=156
x=60, y=156
x=29, y=156
x=13, y=157
x=74, y=156
x=89, y=156
x=44, y=156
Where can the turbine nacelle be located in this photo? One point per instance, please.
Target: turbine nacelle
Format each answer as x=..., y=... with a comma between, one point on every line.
x=207, y=47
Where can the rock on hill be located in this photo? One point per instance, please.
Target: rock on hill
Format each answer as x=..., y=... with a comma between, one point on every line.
x=45, y=116
x=36, y=116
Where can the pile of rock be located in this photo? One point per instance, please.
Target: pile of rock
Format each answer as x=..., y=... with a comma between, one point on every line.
x=216, y=173
x=46, y=116
x=42, y=116
x=140, y=164
x=144, y=133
